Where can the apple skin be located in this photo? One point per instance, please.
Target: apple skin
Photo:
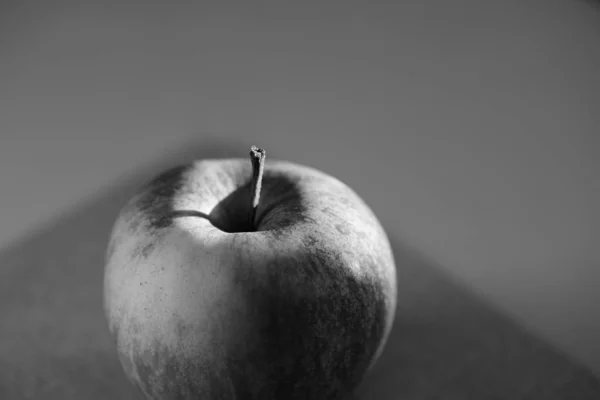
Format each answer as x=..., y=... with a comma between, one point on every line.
x=202, y=308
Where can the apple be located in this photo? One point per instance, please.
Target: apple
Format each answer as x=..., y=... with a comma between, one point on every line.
x=226, y=279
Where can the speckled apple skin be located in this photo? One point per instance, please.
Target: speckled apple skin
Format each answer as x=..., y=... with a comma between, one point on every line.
x=299, y=309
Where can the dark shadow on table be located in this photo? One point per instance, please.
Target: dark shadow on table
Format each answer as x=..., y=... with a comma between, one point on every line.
x=593, y=3
x=446, y=343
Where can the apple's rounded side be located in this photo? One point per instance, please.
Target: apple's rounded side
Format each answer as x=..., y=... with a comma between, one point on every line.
x=298, y=309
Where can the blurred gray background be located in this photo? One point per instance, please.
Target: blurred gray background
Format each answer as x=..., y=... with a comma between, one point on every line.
x=471, y=127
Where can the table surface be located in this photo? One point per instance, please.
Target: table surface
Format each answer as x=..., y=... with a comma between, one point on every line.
x=446, y=344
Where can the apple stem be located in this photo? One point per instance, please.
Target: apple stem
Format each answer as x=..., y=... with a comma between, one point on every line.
x=257, y=157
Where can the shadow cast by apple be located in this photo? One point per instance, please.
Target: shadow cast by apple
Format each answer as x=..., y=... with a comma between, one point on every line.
x=593, y=3
x=446, y=343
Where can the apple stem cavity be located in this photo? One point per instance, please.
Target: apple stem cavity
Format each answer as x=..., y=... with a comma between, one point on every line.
x=257, y=158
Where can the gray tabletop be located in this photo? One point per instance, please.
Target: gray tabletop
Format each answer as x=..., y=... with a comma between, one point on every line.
x=446, y=344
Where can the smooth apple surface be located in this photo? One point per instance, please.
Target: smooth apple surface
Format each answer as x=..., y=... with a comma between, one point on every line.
x=205, y=303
